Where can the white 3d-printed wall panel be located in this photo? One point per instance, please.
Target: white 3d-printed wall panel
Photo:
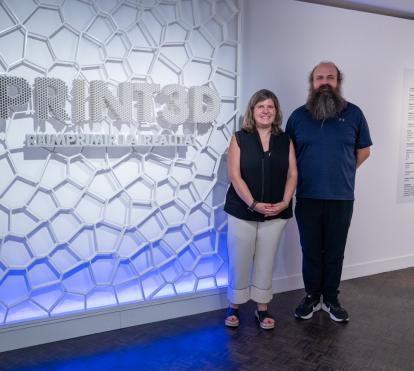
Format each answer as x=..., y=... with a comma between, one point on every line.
x=85, y=228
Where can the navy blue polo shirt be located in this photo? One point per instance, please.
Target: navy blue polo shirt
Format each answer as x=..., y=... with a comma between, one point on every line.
x=326, y=152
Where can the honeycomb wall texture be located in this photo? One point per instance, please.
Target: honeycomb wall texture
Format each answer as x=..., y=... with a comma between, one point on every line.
x=87, y=228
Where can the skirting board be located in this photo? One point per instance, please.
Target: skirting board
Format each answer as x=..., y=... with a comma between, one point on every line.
x=70, y=326
x=377, y=266
x=295, y=282
x=40, y=332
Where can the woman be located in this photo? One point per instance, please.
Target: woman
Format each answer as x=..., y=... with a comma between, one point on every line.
x=263, y=175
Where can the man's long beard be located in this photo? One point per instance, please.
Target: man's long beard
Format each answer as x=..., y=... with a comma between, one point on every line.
x=325, y=102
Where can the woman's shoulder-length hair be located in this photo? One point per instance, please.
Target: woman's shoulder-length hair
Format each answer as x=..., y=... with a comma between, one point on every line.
x=249, y=124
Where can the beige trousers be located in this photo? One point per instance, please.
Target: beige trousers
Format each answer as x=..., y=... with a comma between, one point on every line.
x=252, y=248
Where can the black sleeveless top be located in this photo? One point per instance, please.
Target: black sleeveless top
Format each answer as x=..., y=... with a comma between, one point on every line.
x=265, y=174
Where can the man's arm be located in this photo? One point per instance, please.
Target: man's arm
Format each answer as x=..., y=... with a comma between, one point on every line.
x=361, y=155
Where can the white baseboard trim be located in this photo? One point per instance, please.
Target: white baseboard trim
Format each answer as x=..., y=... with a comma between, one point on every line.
x=377, y=266
x=46, y=331
x=288, y=283
x=295, y=282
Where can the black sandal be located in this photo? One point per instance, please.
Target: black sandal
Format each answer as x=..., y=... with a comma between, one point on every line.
x=232, y=312
x=261, y=315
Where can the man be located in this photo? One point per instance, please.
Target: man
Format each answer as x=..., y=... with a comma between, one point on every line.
x=331, y=139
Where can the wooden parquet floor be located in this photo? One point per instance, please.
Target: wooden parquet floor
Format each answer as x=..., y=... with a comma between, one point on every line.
x=379, y=337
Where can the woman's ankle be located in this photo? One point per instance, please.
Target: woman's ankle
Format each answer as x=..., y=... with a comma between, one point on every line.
x=262, y=307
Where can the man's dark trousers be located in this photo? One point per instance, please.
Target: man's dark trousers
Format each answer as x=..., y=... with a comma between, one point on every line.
x=323, y=228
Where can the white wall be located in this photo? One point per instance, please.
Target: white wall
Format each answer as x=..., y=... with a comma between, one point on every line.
x=283, y=40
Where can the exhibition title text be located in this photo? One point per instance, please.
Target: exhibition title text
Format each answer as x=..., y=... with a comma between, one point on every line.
x=134, y=103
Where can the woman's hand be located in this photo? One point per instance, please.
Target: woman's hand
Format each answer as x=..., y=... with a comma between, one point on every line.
x=274, y=209
x=262, y=207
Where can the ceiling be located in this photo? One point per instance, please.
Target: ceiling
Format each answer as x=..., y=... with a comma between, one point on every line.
x=395, y=8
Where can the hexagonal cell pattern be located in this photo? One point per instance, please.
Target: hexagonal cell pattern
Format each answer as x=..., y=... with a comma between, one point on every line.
x=64, y=260
x=67, y=194
x=64, y=43
x=140, y=61
x=125, y=15
x=4, y=222
x=22, y=222
x=41, y=241
x=64, y=225
x=84, y=228
x=129, y=292
x=107, y=237
x=27, y=168
x=43, y=204
x=38, y=52
x=47, y=296
x=78, y=14
x=79, y=280
x=103, y=269
x=130, y=243
x=89, y=209
x=104, y=185
x=69, y=303
x=14, y=288
x=42, y=272
x=6, y=169
x=17, y=194
x=101, y=297
x=14, y=252
x=36, y=22
x=12, y=45
x=118, y=46
x=83, y=244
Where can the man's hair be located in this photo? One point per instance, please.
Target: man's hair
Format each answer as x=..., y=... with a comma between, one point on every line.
x=340, y=75
x=249, y=124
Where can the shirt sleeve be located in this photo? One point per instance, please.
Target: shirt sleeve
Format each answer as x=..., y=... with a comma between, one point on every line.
x=364, y=137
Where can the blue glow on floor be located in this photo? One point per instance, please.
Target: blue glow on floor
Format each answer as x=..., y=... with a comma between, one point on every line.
x=165, y=353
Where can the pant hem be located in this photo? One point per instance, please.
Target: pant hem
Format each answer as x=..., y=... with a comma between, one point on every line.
x=238, y=296
x=261, y=296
